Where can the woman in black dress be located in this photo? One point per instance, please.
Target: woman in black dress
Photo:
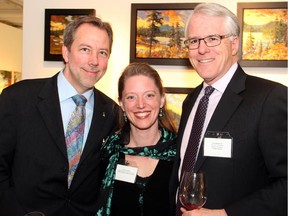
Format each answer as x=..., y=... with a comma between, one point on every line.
x=140, y=155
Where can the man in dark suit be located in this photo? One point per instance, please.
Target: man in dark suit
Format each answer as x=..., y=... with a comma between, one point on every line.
x=243, y=145
x=34, y=115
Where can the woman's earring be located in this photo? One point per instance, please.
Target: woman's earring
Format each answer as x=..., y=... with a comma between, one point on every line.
x=125, y=116
x=161, y=113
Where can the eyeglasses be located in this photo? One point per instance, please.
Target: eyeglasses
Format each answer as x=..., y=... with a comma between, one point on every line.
x=210, y=41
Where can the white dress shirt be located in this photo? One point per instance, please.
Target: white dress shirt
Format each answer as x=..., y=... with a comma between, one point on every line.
x=214, y=99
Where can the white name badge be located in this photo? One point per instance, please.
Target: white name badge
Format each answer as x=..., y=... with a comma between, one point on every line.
x=218, y=147
x=126, y=173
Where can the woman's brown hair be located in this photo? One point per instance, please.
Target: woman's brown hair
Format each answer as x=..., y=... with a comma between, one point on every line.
x=140, y=68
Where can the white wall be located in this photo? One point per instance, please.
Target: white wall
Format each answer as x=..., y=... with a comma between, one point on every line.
x=117, y=12
x=10, y=48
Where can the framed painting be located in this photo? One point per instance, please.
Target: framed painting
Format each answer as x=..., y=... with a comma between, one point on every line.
x=158, y=32
x=55, y=22
x=264, y=34
x=174, y=100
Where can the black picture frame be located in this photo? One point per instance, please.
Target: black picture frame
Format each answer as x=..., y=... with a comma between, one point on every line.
x=256, y=34
x=54, y=30
x=174, y=100
x=167, y=11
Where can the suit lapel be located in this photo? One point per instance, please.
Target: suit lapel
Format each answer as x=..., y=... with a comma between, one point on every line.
x=50, y=111
x=98, y=121
x=49, y=108
x=186, y=110
x=94, y=139
x=226, y=107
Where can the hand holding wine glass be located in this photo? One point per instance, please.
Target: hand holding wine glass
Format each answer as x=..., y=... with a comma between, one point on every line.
x=192, y=191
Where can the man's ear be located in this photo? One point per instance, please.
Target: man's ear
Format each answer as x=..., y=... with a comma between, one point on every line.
x=235, y=45
x=65, y=53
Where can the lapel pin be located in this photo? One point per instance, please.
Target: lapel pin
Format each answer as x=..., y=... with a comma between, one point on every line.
x=103, y=114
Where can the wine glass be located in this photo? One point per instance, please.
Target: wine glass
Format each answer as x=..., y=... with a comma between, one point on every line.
x=192, y=191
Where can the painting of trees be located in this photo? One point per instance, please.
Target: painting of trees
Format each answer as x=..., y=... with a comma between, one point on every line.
x=265, y=34
x=160, y=33
x=155, y=20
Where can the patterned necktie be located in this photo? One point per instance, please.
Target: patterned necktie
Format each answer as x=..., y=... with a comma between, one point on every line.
x=74, y=135
x=194, y=140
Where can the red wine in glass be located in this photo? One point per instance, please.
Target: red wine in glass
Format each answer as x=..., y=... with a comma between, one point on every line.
x=192, y=191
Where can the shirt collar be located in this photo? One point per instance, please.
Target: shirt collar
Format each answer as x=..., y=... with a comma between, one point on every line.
x=221, y=84
x=66, y=90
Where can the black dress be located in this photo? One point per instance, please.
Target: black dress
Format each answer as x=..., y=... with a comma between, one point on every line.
x=155, y=201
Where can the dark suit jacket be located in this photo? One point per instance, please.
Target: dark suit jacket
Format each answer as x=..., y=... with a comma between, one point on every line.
x=254, y=181
x=33, y=156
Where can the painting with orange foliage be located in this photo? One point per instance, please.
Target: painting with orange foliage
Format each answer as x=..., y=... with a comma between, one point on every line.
x=264, y=33
x=158, y=32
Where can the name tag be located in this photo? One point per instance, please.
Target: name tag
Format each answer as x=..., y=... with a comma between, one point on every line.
x=218, y=144
x=126, y=173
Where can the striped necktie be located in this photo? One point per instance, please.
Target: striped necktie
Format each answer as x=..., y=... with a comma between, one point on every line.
x=74, y=135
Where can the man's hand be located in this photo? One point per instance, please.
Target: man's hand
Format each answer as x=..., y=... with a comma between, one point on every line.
x=204, y=212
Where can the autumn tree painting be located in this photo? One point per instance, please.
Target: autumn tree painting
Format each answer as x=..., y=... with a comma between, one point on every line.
x=160, y=33
x=265, y=34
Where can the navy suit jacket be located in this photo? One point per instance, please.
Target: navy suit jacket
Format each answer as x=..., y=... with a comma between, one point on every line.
x=254, y=181
x=33, y=156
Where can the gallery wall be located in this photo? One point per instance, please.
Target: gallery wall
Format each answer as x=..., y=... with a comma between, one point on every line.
x=10, y=48
x=118, y=14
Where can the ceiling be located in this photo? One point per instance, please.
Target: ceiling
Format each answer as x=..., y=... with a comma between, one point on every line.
x=11, y=12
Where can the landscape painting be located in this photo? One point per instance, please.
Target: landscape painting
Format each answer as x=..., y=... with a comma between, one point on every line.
x=159, y=32
x=264, y=35
x=174, y=100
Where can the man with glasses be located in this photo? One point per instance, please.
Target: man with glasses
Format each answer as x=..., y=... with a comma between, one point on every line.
x=242, y=147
